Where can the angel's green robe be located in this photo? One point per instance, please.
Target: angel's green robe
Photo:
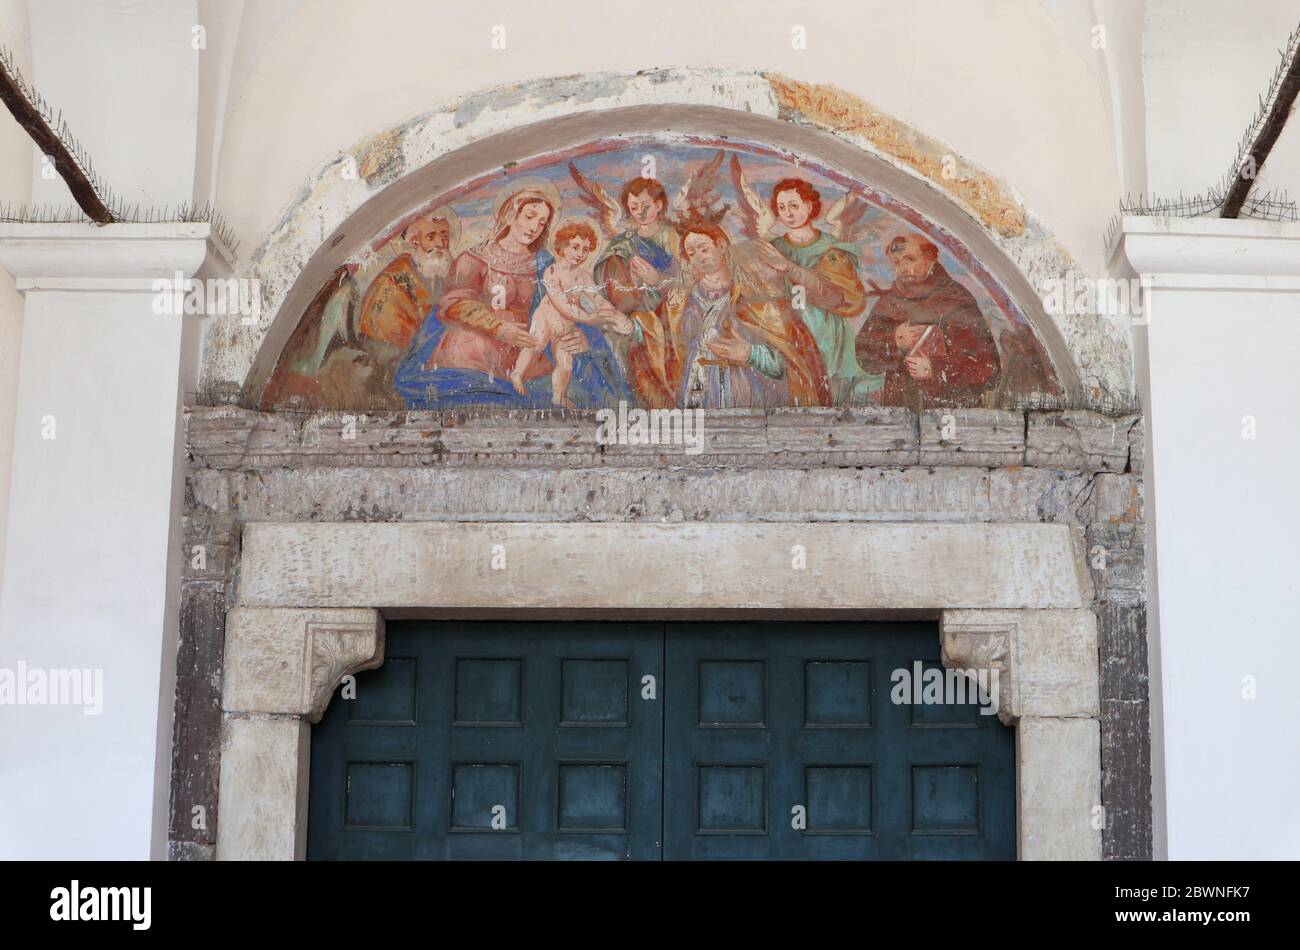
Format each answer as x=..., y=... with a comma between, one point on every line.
x=833, y=295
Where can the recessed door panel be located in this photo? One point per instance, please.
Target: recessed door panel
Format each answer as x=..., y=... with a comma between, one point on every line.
x=640, y=741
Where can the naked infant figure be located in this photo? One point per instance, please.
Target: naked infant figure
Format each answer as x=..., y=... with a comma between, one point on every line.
x=572, y=296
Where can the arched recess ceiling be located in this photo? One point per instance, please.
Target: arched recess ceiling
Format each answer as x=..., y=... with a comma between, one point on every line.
x=350, y=202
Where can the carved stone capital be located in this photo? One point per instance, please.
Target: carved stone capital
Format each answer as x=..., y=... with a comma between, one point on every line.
x=973, y=640
x=1046, y=659
x=284, y=660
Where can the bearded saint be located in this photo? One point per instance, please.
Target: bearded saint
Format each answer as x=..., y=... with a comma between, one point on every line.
x=732, y=341
x=401, y=294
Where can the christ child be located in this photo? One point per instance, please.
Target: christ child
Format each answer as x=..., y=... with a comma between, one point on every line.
x=572, y=296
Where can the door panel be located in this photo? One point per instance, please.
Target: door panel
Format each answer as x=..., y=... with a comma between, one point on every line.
x=762, y=719
x=495, y=741
x=534, y=741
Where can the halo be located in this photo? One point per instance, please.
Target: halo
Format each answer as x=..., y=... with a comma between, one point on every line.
x=447, y=213
x=531, y=183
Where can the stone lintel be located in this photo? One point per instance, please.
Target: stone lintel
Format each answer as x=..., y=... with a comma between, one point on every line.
x=665, y=566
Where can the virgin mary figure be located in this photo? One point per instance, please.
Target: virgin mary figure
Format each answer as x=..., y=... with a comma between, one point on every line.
x=467, y=344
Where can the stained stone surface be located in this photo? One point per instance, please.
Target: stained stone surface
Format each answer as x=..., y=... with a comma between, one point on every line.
x=798, y=474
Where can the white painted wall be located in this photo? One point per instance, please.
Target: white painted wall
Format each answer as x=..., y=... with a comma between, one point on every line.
x=90, y=579
x=15, y=189
x=1004, y=84
x=1205, y=65
x=125, y=74
x=1223, y=338
x=92, y=584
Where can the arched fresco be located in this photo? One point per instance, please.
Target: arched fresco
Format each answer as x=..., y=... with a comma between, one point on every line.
x=664, y=271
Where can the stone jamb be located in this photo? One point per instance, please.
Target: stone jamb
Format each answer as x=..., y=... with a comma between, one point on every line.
x=284, y=659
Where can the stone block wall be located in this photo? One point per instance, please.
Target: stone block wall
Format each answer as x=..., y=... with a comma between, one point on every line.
x=783, y=465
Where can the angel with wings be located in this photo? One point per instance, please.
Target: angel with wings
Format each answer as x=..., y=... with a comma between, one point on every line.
x=639, y=261
x=820, y=268
x=719, y=338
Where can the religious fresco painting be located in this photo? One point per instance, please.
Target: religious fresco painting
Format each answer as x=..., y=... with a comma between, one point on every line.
x=664, y=272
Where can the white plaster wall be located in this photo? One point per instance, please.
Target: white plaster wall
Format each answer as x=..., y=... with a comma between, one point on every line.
x=1227, y=578
x=1205, y=64
x=1107, y=36
x=1223, y=451
x=997, y=81
x=15, y=189
x=87, y=585
x=125, y=74
x=94, y=516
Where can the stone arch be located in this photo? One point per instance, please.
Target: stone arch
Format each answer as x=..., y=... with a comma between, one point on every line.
x=353, y=197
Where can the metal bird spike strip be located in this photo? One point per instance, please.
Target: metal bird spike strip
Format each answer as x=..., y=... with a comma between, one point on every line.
x=1275, y=107
x=96, y=201
x=1231, y=197
x=49, y=130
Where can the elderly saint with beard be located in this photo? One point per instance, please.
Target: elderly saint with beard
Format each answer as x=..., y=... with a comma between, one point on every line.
x=406, y=289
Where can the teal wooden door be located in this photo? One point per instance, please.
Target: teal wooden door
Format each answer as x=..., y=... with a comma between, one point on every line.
x=785, y=744
x=647, y=741
x=495, y=741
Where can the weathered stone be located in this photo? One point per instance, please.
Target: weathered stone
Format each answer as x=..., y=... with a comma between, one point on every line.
x=1035, y=494
x=312, y=494
x=989, y=437
x=1126, y=779
x=218, y=436
x=811, y=494
x=209, y=546
x=1137, y=447
x=1059, y=776
x=877, y=436
x=777, y=477
x=196, y=729
x=1117, y=560
x=508, y=439
x=341, y=436
x=289, y=661
x=264, y=764
x=1056, y=664
x=790, y=566
x=227, y=438
x=1116, y=499
x=1123, y=652
x=1046, y=659
x=1076, y=440
x=190, y=851
x=1125, y=732
x=207, y=490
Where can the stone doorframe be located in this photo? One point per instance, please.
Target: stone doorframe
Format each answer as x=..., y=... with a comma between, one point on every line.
x=312, y=600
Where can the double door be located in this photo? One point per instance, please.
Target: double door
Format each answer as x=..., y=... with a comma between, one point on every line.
x=519, y=740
